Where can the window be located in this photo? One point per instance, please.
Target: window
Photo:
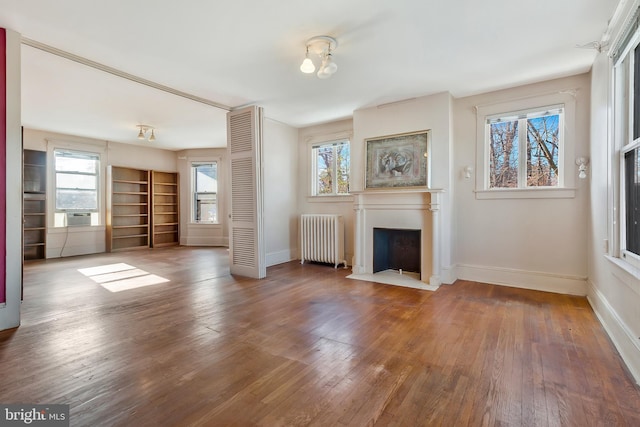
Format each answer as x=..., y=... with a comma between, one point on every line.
x=525, y=148
x=205, y=192
x=76, y=177
x=330, y=168
x=627, y=141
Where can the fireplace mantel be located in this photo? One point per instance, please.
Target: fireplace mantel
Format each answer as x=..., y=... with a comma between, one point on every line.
x=393, y=208
x=399, y=199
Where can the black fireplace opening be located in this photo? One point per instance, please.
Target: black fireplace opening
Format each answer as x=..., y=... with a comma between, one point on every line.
x=396, y=249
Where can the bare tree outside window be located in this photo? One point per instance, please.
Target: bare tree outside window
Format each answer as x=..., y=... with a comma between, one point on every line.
x=325, y=169
x=503, y=155
x=332, y=163
x=542, y=151
x=524, y=150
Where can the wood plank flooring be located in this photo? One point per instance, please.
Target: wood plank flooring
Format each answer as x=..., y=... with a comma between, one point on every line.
x=305, y=347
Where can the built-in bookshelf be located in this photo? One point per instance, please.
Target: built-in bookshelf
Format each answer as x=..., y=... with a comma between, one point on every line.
x=164, y=202
x=34, y=204
x=128, y=212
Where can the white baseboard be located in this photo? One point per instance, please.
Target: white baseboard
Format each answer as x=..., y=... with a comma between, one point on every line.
x=280, y=257
x=75, y=250
x=449, y=274
x=534, y=280
x=623, y=339
x=204, y=241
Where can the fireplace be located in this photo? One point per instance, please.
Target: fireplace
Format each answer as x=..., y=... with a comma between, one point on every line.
x=404, y=226
x=396, y=249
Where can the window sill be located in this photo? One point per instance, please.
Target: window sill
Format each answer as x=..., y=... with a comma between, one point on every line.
x=529, y=193
x=330, y=199
x=625, y=272
x=205, y=224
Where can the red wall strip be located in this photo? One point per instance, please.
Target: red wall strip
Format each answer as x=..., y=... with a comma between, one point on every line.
x=3, y=165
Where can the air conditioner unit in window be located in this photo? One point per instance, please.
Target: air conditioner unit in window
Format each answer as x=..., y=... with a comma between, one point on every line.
x=75, y=219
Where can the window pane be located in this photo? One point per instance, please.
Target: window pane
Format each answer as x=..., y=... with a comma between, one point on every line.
x=206, y=207
x=206, y=177
x=325, y=169
x=76, y=180
x=343, y=168
x=542, y=151
x=503, y=156
x=632, y=200
x=75, y=164
x=66, y=180
x=76, y=199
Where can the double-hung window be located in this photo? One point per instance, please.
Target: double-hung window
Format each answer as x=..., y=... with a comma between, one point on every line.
x=525, y=148
x=204, y=181
x=627, y=140
x=77, y=181
x=330, y=168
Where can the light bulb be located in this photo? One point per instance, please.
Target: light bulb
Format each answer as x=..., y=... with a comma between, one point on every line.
x=322, y=73
x=307, y=66
x=582, y=172
x=152, y=137
x=141, y=134
x=330, y=67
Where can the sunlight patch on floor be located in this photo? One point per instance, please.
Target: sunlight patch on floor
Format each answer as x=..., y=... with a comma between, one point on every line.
x=121, y=277
x=103, y=269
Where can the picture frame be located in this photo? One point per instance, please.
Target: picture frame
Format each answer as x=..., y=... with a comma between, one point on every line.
x=398, y=161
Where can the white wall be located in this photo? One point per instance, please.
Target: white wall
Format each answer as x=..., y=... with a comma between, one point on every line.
x=203, y=234
x=280, y=153
x=531, y=243
x=308, y=204
x=425, y=113
x=614, y=292
x=70, y=241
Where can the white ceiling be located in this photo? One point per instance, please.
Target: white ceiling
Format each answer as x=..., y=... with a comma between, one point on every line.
x=241, y=52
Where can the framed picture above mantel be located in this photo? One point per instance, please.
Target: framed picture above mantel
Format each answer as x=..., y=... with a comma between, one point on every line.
x=398, y=161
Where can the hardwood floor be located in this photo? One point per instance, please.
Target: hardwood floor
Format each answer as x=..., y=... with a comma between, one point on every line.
x=306, y=346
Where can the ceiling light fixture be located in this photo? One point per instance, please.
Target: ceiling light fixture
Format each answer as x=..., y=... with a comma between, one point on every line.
x=322, y=46
x=143, y=132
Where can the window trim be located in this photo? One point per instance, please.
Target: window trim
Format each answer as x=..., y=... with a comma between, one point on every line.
x=192, y=192
x=566, y=182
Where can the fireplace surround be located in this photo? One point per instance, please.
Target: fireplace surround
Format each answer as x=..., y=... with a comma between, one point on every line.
x=400, y=209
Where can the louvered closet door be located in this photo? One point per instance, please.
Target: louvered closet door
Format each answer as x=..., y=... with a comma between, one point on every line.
x=246, y=230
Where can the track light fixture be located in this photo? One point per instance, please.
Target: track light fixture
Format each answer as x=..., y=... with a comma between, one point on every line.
x=322, y=46
x=143, y=132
